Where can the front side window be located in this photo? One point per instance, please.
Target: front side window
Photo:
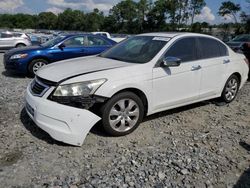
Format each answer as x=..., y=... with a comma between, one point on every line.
x=53, y=42
x=138, y=49
x=211, y=48
x=184, y=49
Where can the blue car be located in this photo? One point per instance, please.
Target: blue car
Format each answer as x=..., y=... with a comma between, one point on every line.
x=29, y=59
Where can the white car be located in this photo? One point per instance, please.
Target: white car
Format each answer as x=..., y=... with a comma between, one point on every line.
x=10, y=40
x=107, y=35
x=145, y=74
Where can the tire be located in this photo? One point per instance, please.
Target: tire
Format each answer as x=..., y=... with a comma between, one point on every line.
x=120, y=123
x=35, y=65
x=231, y=89
x=20, y=45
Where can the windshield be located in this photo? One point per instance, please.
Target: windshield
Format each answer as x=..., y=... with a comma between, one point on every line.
x=52, y=42
x=242, y=38
x=138, y=49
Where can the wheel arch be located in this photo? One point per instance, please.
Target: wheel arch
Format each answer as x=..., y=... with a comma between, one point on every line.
x=34, y=58
x=139, y=93
x=238, y=75
x=37, y=57
x=20, y=43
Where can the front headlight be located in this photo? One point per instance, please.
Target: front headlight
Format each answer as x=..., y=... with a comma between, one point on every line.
x=78, y=89
x=18, y=56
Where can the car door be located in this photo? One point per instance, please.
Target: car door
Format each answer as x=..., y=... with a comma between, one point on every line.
x=70, y=48
x=95, y=45
x=6, y=41
x=214, y=60
x=174, y=86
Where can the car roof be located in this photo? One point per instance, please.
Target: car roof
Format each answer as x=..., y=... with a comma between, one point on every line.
x=174, y=34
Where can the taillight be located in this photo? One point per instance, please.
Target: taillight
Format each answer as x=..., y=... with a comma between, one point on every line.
x=246, y=61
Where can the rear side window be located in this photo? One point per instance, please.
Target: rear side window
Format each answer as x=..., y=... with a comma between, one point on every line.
x=96, y=41
x=185, y=49
x=6, y=35
x=210, y=48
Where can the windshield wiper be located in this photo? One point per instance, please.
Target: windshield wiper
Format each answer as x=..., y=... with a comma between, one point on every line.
x=114, y=58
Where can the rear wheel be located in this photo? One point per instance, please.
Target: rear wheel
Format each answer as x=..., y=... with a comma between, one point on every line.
x=35, y=65
x=231, y=89
x=20, y=45
x=122, y=114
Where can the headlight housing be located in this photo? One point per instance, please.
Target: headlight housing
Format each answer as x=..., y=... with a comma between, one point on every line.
x=78, y=89
x=18, y=56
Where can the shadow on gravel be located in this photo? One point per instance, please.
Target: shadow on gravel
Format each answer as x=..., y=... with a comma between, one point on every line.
x=244, y=181
x=177, y=110
x=13, y=74
x=98, y=128
x=36, y=131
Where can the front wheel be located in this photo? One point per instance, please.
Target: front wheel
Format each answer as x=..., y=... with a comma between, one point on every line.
x=231, y=89
x=122, y=114
x=35, y=65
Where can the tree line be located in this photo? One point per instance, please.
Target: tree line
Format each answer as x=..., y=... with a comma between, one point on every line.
x=127, y=16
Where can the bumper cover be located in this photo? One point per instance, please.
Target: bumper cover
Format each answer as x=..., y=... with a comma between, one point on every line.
x=63, y=123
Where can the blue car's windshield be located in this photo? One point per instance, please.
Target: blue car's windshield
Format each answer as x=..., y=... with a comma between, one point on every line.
x=242, y=38
x=52, y=42
x=138, y=49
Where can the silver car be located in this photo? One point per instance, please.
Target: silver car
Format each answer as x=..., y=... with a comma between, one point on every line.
x=10, y=40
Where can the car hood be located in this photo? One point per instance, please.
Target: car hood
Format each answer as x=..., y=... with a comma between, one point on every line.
x=23, y=50
x=66, y=69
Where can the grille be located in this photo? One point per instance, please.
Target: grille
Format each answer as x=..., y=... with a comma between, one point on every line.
x=38, y=88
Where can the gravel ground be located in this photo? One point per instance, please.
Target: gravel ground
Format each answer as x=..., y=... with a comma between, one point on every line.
x=201, y=145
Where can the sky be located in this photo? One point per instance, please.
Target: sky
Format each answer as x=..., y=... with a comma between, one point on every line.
x=208, y=13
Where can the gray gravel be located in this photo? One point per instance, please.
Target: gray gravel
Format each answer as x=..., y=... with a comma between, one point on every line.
x=202, y=145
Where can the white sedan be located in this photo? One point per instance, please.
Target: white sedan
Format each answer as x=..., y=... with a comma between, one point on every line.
x=142, y=75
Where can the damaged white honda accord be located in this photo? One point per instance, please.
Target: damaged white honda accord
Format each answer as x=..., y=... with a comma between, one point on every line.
x=142, y=75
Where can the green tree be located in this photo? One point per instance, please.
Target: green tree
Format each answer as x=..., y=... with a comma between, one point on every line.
x=157, y=16
x=195, y=8
x=143, y=9
x=47, y=20
x=94, y=20
x=71, y=20
x=125, y=14
x=229, y=8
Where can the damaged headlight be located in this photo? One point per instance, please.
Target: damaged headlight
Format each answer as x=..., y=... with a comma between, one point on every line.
x=78, y=89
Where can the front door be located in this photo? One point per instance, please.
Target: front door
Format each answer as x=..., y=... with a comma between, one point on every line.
x=72, y=48
x=174, y=86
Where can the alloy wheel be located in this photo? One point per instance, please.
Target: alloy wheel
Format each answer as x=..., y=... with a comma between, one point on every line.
x=37, y=66
x=231, y=89
x=124, y=115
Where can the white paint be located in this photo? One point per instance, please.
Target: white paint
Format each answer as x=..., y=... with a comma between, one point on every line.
x=164, y=87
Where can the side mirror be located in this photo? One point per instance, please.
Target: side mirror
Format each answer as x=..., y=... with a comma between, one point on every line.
x=171, y=62
x=61, y=46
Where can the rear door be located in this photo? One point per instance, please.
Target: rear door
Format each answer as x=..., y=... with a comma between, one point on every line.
x=214, y=60
x=6, y=41
x=95, y=45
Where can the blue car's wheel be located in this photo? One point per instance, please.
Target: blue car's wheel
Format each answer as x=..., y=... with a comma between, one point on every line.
x=35, y=65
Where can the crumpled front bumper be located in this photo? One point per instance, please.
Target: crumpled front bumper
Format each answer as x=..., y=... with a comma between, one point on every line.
x=63, y=123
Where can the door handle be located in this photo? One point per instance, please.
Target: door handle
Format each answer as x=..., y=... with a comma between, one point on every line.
x=225, y=61
x=195, y=67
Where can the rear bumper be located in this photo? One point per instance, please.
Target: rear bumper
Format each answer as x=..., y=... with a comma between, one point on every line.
x=63, y=123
